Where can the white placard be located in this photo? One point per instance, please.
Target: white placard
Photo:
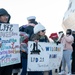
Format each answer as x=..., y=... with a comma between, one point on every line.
x=44, y=56
x=9, y=44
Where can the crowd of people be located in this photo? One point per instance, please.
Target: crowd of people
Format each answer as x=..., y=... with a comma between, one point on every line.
x=34, y=31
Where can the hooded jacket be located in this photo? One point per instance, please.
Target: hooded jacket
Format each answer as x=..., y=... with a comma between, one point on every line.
x=4, y=12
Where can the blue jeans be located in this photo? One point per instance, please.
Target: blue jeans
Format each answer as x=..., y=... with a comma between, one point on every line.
x=66, y=60
x=24, y=66
x=50, y=72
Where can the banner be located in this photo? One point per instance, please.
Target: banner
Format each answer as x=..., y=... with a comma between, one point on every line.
x=9, y=44
x=44, y=56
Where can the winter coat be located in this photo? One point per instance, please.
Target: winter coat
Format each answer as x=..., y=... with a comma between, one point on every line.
x=29, y=30
x=73, y=45
x=67, y=42
x=40, y=38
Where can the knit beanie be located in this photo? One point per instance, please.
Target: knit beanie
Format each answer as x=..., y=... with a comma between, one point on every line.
x=38, y=28
x=53, y=36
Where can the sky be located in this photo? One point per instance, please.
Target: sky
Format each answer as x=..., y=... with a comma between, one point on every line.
x=49, y=13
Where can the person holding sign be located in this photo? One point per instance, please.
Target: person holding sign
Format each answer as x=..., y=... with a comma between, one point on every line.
x=39, y=36
x=67, y=41
x=5, y=18
x=60, y=36
x=56, y=38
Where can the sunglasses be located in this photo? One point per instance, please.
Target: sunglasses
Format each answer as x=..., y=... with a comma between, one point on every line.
x=43, y=30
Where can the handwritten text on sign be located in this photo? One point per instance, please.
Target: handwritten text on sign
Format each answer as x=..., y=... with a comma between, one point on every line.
x=9, y=44
x=43, y=56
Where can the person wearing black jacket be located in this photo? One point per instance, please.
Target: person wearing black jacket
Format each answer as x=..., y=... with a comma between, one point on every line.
x=73, y=54
x=28, y=28
x=5, y=18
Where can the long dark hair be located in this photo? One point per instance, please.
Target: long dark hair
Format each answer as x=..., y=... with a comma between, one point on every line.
x=69, y=31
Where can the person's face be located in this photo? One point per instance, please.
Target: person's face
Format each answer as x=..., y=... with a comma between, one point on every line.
x=29, y=21
x=4, y=18
x=42, y=33
x=68, y=32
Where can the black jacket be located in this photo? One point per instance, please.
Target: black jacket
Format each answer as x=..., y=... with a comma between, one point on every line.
x=73, y=45
x=29, y=30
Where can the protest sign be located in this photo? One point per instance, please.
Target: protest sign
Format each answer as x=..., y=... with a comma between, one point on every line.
x=44, y=56
x=9, y=44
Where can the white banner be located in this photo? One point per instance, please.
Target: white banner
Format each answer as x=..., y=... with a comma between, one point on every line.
x=9, y=44
x=44, y=56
